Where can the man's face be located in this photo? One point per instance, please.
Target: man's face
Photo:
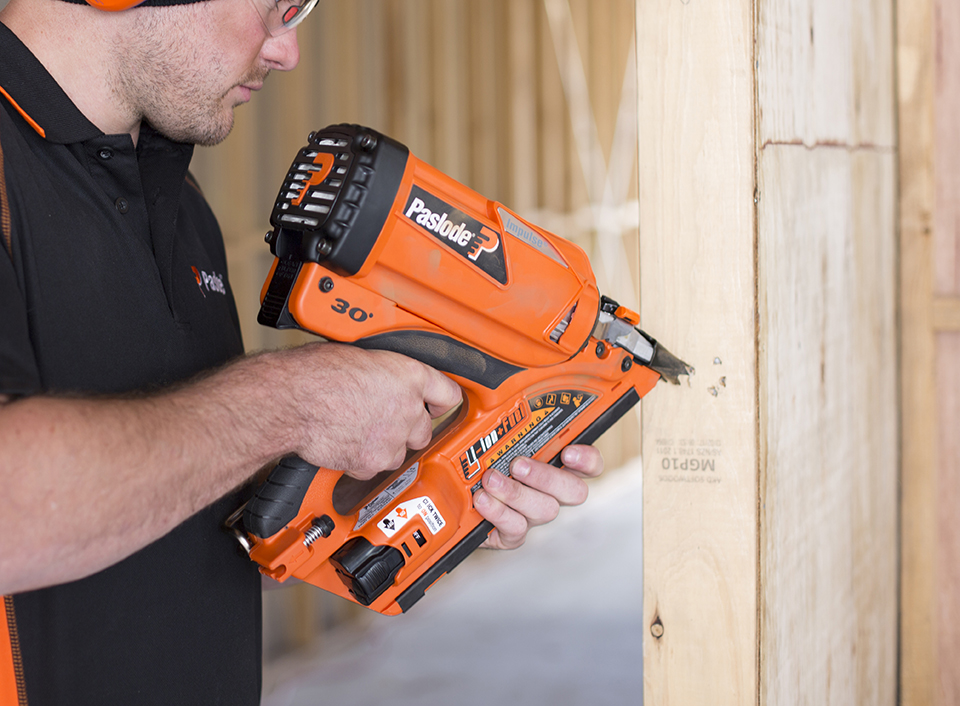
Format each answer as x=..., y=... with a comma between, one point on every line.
x=186, y=67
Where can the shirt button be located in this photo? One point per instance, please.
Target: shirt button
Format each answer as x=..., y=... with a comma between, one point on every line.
x=105, y=153
x=122, y=205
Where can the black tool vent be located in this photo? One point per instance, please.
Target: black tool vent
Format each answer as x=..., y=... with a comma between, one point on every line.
x=337, y=222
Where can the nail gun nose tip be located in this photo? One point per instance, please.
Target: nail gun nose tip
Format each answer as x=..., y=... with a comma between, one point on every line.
x=669, y=366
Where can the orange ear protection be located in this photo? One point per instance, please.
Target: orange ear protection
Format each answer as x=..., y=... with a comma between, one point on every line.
x=114, y=5
x=118, y=5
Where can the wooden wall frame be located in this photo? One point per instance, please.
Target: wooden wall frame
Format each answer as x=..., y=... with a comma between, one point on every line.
x=768, y=202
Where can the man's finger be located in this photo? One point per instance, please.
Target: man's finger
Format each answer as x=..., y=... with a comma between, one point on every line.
x=510, y=527
x=585, y=461
x=560, y=484
x=440, y=393
x=537, y=507
x=421, y=434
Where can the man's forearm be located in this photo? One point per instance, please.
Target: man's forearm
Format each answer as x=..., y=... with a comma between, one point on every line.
x=88, y=481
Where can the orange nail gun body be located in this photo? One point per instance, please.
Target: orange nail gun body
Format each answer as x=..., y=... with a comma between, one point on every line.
x=376, y=248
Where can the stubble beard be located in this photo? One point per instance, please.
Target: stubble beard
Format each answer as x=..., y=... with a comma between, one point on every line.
x=213, y=119
x=178, y=91
x=191, y=113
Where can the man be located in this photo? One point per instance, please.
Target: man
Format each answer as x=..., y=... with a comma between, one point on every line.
x=118, y=464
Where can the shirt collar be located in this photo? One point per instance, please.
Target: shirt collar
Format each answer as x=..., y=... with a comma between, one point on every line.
x=34, y=92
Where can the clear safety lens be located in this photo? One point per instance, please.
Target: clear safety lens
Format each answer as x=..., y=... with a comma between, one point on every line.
x=284, y=15
x=292, y=13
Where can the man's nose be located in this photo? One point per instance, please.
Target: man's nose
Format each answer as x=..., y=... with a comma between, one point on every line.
x=281, y=52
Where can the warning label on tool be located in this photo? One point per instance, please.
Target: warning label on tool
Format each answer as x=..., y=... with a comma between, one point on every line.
x=406, y=511
x=373, y=507
x=550, y=413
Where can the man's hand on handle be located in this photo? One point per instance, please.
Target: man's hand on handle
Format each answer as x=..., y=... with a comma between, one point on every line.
x=362, y=410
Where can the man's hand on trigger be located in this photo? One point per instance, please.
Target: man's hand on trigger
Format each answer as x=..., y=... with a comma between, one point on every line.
x=534, y=494
x=363, y=409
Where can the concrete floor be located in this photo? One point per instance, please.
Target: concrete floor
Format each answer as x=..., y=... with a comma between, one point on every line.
x=555, y=623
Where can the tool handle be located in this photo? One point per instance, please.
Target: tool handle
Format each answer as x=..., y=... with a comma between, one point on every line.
x=278, y=499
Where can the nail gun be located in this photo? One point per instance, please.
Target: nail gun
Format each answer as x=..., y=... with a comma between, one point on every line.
x=376, y=248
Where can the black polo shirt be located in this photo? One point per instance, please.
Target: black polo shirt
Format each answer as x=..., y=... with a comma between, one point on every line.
x=113, y=278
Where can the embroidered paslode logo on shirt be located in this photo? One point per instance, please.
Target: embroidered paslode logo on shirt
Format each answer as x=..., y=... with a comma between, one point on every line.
x=209, y=282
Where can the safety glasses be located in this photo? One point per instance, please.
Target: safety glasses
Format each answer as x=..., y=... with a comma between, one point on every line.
x=280, y=16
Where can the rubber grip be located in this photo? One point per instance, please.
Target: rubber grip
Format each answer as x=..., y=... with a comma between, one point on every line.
x=278, y=499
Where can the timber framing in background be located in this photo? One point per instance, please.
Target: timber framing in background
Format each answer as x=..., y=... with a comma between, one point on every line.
x=928, y=32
